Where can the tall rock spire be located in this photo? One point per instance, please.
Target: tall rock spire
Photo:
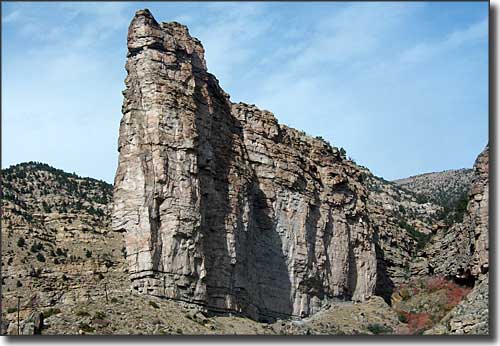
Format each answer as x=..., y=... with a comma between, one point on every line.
x=221, y=205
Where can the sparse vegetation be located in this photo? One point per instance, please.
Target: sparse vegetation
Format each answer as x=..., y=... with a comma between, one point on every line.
x=82, y=313
x=424, y=302
x=378, y=329
x=50, y=312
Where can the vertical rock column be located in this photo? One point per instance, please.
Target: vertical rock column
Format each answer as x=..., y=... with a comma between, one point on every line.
x=156, y=196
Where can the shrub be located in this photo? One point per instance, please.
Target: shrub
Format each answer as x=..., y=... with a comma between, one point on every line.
x=99, y=315
x=36, y=247
x=51, y=311
x=379, y=329
x=437, y=283
x=40, y=257
x=88, y=253
x=153, y=304
x=418, y=322
x=402, y=317
x=19, y=284
x=114, y=300
x=455, y=296
x=21, y=242
x=82, y=313
x=11, y=310
x=86, y=328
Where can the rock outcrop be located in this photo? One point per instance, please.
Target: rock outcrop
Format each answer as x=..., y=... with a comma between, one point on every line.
x=221, y=205
x=461, y=251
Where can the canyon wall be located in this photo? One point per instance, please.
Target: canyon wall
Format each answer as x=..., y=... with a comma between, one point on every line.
x=462, y=251
x=221, y=205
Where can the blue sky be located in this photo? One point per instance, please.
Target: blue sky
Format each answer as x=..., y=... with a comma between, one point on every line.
x=403, y=87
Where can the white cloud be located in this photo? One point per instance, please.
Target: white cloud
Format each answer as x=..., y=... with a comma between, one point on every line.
x=427, y=50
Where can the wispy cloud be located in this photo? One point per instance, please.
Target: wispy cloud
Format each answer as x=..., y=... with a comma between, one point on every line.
x=11, y=17
x=370, y=77
x=424, y=51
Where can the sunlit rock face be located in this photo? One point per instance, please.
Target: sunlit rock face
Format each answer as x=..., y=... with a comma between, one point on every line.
x=221, y=205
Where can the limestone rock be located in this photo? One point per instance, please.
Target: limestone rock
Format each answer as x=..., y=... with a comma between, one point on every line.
x=30, y=326
x=221, y=205
x=462, y=250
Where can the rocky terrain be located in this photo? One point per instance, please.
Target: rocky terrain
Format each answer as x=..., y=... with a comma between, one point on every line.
x=223, y=221
x=60, y=257
x=442, y=188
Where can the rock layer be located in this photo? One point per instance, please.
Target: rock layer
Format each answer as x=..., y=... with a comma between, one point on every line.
x=462, y=250
x=221, y=205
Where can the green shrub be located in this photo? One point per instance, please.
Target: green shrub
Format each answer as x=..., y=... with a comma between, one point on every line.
x=51, y=311
x=19, y=284
x=36, y=247
x=379, y=329
x=21, y=242
x=402, y=317
x=88, y=253
x=11, y=310
x=153, y=304
x=40, y=257
x=82, y=313
x=86, y=328
x=99, y=315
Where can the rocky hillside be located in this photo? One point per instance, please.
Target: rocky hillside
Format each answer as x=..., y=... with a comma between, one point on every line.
x=462, y=253
x=68, y=268
x=55, y=238
x=443, y=188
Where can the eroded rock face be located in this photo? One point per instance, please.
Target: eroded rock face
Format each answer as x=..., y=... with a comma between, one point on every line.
x=221, y=205
x=462, y=250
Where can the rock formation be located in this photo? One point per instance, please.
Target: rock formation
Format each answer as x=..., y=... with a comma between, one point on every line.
x=461, y=251
x=221, y=205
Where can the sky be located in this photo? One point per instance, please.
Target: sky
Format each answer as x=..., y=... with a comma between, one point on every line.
x=403, y=87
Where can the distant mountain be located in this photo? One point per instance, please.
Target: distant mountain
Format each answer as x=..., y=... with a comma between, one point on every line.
x=442, y=188
x=448, y=189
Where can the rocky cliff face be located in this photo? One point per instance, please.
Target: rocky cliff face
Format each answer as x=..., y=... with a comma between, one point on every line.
x=462, y=250
x=221, y=205
x=402, y=225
